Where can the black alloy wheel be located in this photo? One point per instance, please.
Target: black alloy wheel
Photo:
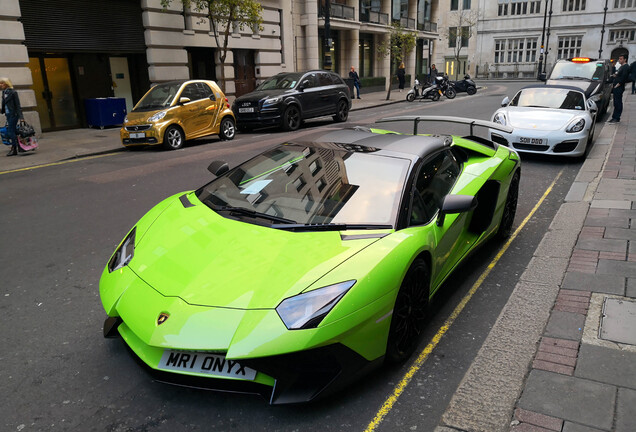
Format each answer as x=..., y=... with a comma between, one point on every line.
x=471, y=90
x=227, y=130
x=410, y=313
x=173, y=138
x=410, y=97
x=342, y=111
x=510, y=209
x=291, y=118
x=450, y=93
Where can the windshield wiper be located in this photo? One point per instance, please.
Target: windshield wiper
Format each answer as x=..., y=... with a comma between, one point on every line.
x=575, y=78
x=330, y=227
x=251, y=213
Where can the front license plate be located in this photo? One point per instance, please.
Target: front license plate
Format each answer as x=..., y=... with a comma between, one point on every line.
x=204, y=363
x=246, y=110
x=537, y=141
x=138, y=135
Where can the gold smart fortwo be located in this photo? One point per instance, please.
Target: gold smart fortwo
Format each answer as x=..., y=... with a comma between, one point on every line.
x=173, y=112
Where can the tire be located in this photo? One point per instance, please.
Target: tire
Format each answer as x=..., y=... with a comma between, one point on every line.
x=342, y=111
x=410, y=97
x=227, y=130
x=410, y=313
x=435, y=96
x=173, y=138
x=291, y=118
x=471, y=90
x=510, y=209
x=450, y=93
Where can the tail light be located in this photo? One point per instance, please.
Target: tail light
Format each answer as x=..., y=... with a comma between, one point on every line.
x=227, y=102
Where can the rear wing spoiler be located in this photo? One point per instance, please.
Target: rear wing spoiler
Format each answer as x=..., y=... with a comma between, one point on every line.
x=446, y=119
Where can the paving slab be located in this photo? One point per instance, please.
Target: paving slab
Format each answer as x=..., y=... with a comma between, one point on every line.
x=631, y=288
x=624, y=268
x=570, y=216
x=607, y=365
x=565, y=325
x=573, y=427
x=618, y=323
x=545, y=270
x=611, y=204
x=621, y=233
x=577, y=191
x=618, y=221
x=578, y=400
x=604, y=245
x=601, y=283
x=557, y=243
x=626, y=411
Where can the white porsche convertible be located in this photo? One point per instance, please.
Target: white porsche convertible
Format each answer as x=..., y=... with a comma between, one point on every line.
x=553, y=119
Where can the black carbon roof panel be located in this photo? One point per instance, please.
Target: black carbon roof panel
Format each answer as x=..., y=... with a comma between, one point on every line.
x=408, y=144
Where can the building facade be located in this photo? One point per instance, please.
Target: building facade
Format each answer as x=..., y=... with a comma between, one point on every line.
x=58, y=54
x=455, y=52
x=510, y=34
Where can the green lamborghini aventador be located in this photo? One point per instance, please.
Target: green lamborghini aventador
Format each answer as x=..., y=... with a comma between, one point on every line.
x=297, y=271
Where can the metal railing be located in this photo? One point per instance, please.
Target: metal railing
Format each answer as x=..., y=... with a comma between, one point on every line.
x=427, y=26
x=408, y=23
x=374, y=17
x=338, y=10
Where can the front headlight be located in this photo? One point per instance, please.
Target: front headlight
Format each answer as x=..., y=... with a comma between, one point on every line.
x=157, y=117
x=125, y=119
x=308, y=309
x=124, y=253
x=500, y=118
x=272, y=101
x=576, y=126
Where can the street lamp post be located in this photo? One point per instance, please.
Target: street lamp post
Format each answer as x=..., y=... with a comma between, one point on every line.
x=547, y=43
x=545, y=17
x=600, y=48
x=327, y=44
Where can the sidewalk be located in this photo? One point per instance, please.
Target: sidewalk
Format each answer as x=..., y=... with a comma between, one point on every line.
x=74, y=143
x=562, y=354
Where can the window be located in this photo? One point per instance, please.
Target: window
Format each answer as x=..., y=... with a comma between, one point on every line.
x=454, y=4
x=205, y=91
x=621, y=4
x=452, y=37
x=512, y=7
x=517, y=50
x=399, y=9
x=621, y=35
x=573, y=5
x=434, y=181
x=465, y=35
x=569, y=46
x=466, y=4
x=191, y=92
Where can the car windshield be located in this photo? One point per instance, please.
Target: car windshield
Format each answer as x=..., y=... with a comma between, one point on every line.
x=280, y=82
x=592, y=71
x=547, y=97
x=160, y=96
x=313, y=185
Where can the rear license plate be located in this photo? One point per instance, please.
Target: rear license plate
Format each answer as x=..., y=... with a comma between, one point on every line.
x=138, y=135
x=537, y=141
x=246, y=110
x=204, y=363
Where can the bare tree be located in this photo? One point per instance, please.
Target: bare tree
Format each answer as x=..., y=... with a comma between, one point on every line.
x=399, y=46
x=224, y=15
x=461, y=27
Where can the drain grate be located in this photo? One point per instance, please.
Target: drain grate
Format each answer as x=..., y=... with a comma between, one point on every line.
x=618, y=321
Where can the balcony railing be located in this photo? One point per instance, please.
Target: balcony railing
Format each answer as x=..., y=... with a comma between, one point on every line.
x=427, y=26
x=408, y=23
x=374, y=17
x=338, y=11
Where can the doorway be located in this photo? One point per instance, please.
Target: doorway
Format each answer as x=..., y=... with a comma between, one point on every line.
x=54, y=92
x=244, y=71
x=120, y=76
x=201, y=63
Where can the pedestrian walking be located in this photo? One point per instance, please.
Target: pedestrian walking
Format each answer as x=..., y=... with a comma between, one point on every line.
x=401, y=75
x=433, y=74
x=620, y=79
x=356, y=80
x=12, y=110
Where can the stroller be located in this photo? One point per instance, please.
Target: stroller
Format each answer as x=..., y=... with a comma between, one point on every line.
x=26, y=137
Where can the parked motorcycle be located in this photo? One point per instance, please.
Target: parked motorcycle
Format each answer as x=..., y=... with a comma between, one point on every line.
x=466, y=85
x=431, y=92
x=446, y=86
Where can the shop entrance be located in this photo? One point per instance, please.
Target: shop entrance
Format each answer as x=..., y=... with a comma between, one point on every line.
x=244, y=71
x=54, y=92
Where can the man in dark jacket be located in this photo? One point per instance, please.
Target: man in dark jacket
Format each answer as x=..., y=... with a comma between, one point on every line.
x=620, y=79
x=356, y=81
x=632, y=76
x=11, y=108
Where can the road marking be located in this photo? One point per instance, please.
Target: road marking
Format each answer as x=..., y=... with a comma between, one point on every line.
x=404, y=382
x=57, y=163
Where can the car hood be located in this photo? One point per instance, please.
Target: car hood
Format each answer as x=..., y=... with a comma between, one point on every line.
x=588, y=87
x=205, y=259
x=539, y=118
x=263, y=94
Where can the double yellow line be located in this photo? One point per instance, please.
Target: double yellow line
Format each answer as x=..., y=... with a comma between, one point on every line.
x=404, y=382
x=56, y=163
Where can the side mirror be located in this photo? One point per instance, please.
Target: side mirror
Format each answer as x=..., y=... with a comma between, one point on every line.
x=218, y=167
x=456, y=204
x=183, y=100
x=505, y=101
x=303, y=85
x=542, y=77
x=591, y=105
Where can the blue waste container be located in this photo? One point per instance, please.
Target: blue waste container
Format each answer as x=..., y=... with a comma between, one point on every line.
x=101, y=112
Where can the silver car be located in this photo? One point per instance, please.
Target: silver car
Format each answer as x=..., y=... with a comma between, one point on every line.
x=553, y=119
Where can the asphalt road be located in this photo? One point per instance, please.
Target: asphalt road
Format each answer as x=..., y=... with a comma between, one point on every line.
x=59, y=225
